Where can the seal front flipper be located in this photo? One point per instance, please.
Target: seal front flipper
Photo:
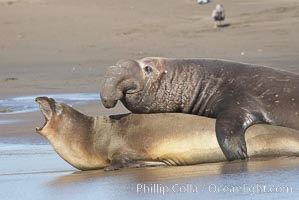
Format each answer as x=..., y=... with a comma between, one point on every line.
x=130, y=160
x=230, y=132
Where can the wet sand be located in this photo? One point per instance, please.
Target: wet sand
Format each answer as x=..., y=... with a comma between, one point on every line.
x=43, y=175
x=62, y=47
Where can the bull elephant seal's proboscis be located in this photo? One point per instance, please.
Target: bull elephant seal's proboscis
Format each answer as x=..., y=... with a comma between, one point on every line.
x=140, y=140
x=238, y=95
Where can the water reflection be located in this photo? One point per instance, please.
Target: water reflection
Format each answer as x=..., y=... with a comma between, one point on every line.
x=9, y=121
x=207, y=181
x=37, y=172
x=183, y=172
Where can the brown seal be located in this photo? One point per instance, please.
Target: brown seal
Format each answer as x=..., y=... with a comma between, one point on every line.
x=238, y=95
x=141, y=140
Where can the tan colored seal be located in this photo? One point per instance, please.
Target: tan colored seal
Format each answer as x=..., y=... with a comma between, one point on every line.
x=140, y=140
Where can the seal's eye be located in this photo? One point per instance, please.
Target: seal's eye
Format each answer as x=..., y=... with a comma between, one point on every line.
x=148, y=69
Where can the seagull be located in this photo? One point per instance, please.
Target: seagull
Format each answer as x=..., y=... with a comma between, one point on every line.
x=218, y=15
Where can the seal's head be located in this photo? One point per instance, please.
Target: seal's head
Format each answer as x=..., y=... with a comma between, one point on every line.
x=129, y=77
x=69, y=132
x=61, y=120
x=51, y=111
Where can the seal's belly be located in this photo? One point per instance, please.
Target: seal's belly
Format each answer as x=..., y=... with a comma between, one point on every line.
x=192, y=157
x=187, y=150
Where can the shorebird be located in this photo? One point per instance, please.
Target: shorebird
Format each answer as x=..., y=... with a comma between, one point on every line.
x=218, y=15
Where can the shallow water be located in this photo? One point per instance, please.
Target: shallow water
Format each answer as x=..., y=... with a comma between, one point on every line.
x=37, y=172
x=25, y=104
x=9, y=121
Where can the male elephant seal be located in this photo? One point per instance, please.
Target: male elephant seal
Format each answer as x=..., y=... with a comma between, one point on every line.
x=238, y=95
x=140, y=140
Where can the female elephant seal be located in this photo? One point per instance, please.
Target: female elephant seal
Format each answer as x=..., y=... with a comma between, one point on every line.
x=140, y=140
x=238, y=95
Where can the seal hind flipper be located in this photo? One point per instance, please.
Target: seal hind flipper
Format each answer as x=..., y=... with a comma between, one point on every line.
x=129, y=160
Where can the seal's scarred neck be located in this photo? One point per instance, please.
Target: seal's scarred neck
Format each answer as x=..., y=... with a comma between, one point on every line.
x=206, y=94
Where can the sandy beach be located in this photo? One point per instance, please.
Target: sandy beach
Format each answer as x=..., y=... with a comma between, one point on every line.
x=60, y=47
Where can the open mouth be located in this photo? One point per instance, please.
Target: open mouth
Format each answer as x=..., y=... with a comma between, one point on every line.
x=45, y=108
x=38, y=129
